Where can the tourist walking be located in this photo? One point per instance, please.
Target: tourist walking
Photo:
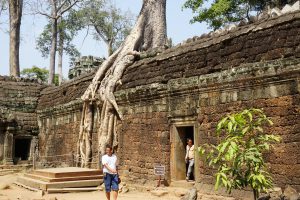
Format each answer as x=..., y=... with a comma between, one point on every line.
x=189, y=158
x=110, y=173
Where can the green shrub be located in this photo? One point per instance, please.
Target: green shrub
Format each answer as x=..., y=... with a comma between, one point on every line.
x=238, y=157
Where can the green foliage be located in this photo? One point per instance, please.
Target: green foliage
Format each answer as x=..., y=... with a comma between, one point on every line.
x=35, y=72
x=3, y=11
x=111, y=25
x=219, y=13
x=38, y=73
x=238, y=157
x=69, y=27
x=3, y=6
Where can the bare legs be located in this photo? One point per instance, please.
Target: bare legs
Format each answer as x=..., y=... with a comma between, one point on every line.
x=114, y=195
x=107, y=195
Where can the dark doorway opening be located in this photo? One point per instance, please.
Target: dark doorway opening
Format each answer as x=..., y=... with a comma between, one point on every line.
x=183, y=133
x=22, y=148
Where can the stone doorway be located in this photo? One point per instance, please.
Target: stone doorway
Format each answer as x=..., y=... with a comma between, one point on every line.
x=22, y=149
x=179, y=136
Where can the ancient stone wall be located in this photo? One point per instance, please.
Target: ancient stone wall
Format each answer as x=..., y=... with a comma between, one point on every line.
x=83, y=65
x=196, y=83
x=206, y=78
x=272, y=86
x=18, y=101
x=59, y=115
x=273, y=39
x=18, y=119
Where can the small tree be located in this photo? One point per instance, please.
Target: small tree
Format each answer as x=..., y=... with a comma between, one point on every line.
x=111, y=25
x=38, y=73
x=219, y=13
x=58, y=8
x=238, y=156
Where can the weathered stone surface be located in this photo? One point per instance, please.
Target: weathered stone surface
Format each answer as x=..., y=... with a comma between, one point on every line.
x=275, y=193
x=261, y=41
x=215, y=197
x=264, y=197
x=291, y=194
x=159, y=192
x=18, y=118
x=180, y=192
x=190, y=195
x=83, y=65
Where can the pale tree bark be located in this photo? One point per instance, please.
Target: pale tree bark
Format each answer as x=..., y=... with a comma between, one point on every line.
x=15, y=15
x=60, y=54
x=53, y=49
x=58, y=8
x=107, y=41
x=109, y=47
x=148, y=32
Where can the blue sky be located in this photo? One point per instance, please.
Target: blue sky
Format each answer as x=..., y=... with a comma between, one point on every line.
x=178, y=25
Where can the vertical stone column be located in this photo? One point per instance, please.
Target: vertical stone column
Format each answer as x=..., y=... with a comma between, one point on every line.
x=8, y=148
x=1, y=147
x=33, y=146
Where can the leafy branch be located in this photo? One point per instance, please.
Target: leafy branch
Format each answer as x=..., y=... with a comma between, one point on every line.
x=238, y=157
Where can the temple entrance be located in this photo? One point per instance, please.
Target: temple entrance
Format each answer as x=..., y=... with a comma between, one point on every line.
x=179, y=141
x=22, y=148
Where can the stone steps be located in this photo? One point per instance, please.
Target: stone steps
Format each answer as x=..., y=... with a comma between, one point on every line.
x=67, y=172
x=62, y=179
x=16, y=167
x=4, y=172
x=42, y=185
x=67, y=190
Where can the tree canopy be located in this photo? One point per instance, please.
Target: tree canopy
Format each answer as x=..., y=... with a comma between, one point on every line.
x=69, y=29
x=219, y=13
x=41, y=74
x=110, y=24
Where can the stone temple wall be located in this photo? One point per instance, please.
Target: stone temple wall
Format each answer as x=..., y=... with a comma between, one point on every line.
x=193, y=84
x=202, y=80
x=59, y=114
x=18, y=119
x=151, y=111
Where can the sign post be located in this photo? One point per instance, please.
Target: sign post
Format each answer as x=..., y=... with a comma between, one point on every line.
x=159, y=170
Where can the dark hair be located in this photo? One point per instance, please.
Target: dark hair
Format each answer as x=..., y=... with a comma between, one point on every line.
x=109, y=147
x=189, y=139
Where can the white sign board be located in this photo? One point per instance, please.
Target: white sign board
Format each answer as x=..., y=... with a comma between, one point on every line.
x=159, y=170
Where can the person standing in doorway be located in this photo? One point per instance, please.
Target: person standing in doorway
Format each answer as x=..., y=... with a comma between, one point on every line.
x=189, y=158
x=110, y=173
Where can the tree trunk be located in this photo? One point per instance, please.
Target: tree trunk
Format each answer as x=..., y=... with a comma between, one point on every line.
x=53, y=51
x=255, y=194
x=109, y=48
x=155, y=31
x=148, y=32
x=59, y=66
x=15, y=15
x=60, y=55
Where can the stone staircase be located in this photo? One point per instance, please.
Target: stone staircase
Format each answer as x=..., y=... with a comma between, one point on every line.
x=10, y=169
x=71, y=179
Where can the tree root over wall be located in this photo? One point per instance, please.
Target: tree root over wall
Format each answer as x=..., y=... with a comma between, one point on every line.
x=148, y=32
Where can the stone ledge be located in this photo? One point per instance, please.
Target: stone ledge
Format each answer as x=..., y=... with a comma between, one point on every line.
x=60, y=109
x=194, y=45
x=265, y=72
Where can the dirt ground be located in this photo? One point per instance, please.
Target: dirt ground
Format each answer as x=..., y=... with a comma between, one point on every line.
x=14, y=192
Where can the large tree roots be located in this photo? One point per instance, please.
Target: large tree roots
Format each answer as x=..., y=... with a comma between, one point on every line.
x=148, y=32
